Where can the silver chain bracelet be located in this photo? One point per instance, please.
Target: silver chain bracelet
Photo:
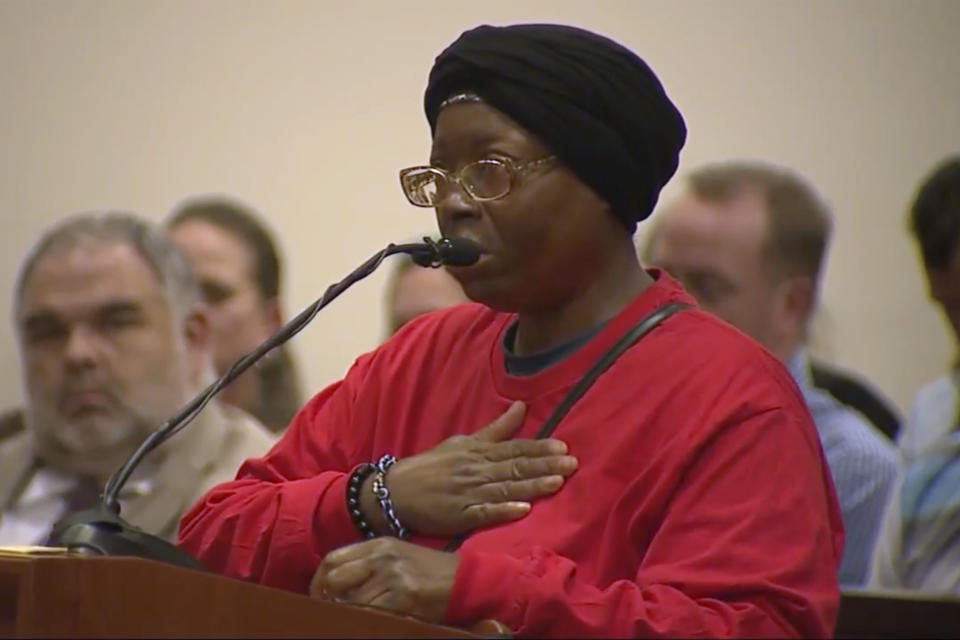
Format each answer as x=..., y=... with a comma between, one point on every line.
x=382, y=494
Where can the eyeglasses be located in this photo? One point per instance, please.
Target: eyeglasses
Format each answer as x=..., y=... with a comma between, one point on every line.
x=483, y=180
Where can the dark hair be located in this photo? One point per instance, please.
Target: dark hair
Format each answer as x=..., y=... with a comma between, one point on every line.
x=799, y=218
x=280, y=395
x=935, y=214
x=240, y=221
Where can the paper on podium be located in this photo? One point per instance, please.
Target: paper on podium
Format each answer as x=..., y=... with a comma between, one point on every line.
x=32, y=550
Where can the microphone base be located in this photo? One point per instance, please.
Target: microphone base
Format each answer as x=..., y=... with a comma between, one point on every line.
x=100, y=531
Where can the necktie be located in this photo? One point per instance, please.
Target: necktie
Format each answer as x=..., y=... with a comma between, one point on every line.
x=82, y=496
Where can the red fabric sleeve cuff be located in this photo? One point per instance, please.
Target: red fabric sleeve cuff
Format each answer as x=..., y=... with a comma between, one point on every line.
x=332, y=521
x=487, y=586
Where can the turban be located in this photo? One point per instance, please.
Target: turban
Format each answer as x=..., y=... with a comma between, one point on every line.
x=597, y=106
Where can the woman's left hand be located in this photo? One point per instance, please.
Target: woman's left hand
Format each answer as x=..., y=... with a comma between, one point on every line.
x=390, y=574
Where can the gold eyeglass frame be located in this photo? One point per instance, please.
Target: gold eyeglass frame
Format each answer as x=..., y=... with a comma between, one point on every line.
x=514, y=170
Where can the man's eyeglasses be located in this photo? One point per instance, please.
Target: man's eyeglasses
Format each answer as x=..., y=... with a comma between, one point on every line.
x=483, y=180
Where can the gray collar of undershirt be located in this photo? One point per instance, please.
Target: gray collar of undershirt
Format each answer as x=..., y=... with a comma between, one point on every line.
x=536, y=362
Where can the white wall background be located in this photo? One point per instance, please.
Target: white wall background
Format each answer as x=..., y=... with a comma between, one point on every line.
x=307, y=109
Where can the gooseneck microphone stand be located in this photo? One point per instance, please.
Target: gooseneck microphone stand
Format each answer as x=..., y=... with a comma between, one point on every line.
x=101, y=531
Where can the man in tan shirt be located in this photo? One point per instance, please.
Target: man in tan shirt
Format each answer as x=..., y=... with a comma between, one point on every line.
x=112, y=340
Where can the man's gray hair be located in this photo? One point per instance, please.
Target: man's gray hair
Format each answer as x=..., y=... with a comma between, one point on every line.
x=150, y=241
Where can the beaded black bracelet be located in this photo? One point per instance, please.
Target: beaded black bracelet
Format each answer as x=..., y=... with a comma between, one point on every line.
x=382, y=494
x=354, y=483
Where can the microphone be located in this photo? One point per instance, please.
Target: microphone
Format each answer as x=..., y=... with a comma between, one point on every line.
x=101, y=530
x=455, y=252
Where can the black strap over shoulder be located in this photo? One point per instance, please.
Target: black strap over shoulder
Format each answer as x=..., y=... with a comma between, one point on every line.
x=642, y=328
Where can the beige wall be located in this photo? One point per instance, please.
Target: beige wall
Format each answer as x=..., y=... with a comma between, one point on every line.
x=307, y=110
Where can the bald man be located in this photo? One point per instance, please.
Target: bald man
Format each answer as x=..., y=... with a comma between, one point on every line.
x=748, y=240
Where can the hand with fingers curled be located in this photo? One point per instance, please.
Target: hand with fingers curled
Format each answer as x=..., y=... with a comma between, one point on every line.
x=390, y=574
x=472, y=481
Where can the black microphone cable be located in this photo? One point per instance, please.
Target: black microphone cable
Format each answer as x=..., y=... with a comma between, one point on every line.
x=456, y=252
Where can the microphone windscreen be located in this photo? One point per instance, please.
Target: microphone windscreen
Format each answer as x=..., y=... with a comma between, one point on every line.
x=458, y=252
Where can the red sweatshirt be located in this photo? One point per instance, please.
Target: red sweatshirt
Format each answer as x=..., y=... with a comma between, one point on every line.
x=702, y=505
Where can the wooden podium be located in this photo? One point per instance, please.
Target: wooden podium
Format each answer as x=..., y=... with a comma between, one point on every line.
x=897, y=614
x=68, y=596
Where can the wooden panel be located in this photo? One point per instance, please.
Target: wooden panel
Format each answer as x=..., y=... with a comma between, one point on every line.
x=9, y=588
x=128, y=597
x=899, y=614
x=13, y=581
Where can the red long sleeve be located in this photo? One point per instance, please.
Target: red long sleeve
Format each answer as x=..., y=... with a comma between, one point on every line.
x=285, y=511
x=702, y=504
x=723, y=560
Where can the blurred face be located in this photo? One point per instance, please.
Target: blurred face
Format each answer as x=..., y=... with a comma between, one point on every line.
x=945, y=290
x=716, y=250
x=419, y=291
x=540, y=242
x=240, y=319
x=103, y=354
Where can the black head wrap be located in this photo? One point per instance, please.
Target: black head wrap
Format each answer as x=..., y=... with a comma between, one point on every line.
x=594, y=103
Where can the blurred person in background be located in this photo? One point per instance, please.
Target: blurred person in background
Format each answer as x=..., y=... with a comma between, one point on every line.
x=845, y=386
x=412, y=291
x=112, y=342
x=935, y=226
x=920, y=545
x=748, y=239
x=239, y=269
